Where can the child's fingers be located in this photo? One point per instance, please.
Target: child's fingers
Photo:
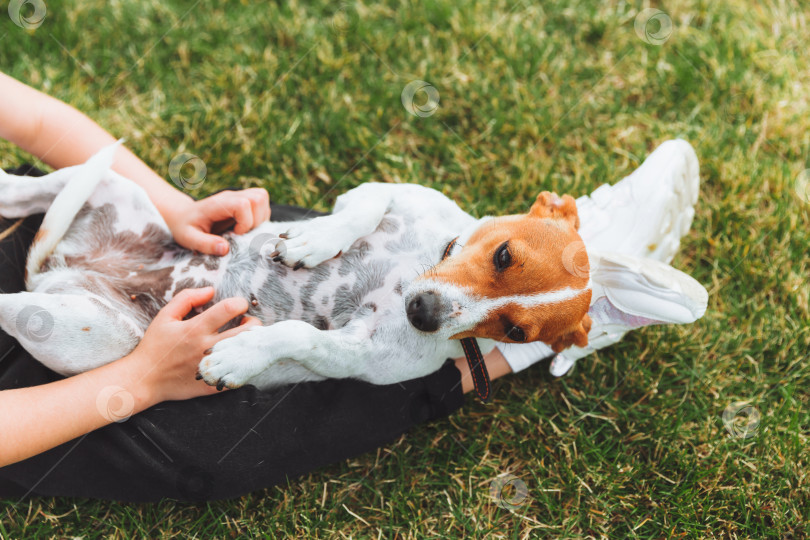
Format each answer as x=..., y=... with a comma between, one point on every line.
x=250, y=319
x=260, y=204
x=239, y=207
x=220, y=313
x=247, y=324
x=210, y=244
x=182, y=303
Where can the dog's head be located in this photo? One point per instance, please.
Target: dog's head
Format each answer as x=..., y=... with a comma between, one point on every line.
x=514, y=279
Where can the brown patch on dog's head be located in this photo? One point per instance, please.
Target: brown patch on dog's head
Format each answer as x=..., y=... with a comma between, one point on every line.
x=526, y=263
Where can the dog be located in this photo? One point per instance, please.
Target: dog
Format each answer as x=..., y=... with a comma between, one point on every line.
x=384, y=289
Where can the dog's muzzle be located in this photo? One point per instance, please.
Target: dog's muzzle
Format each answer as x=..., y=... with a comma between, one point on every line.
x=423, y=311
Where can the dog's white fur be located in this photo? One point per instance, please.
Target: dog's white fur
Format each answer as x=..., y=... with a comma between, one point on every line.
x=105, y=262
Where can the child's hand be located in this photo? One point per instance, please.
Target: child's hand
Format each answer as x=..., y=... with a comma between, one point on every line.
x=167, y=357
x=191, y=223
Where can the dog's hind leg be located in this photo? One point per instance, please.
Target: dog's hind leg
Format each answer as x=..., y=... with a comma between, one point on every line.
x=69, y=333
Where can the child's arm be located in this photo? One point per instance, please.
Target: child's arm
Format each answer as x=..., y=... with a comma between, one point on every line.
x=161, y=368
x=61, y=136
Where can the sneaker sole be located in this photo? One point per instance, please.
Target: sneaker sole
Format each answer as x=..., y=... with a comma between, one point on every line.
x=686, y=299
x=683, y=290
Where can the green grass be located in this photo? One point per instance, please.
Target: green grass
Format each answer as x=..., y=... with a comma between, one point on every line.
x=555, y=95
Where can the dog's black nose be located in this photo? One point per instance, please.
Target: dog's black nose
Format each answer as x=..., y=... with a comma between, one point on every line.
x=423, y=312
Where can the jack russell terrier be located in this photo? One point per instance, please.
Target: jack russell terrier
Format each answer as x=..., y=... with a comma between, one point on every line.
x=384, y=289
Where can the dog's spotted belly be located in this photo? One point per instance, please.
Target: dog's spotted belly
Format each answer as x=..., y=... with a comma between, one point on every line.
x=365, y=282
x=141, y=271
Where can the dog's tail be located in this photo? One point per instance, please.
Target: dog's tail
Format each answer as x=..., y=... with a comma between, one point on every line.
x=64, y=208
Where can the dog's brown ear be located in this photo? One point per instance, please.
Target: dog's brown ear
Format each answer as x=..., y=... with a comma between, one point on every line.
x=550, y=205
x=578, y=337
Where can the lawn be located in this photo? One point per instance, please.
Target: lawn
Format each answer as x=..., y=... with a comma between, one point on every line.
x=305, y=99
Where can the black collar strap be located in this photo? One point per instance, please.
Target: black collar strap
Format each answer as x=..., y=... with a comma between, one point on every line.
x=475, y=360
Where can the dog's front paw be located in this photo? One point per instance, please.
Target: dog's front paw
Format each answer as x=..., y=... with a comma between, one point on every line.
x=233, y=362
x=310, y=244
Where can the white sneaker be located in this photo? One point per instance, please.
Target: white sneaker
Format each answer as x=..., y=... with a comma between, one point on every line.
x=646, y=213
x=626, y=228
x=631, y=292
x=643, y=215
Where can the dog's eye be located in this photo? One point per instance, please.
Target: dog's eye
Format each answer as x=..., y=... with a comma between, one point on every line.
x=516, y=334
x=502, y=257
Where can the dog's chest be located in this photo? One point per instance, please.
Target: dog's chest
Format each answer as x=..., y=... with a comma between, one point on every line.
x=365, y=282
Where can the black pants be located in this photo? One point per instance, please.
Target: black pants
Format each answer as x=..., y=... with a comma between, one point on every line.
x=218, y=446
